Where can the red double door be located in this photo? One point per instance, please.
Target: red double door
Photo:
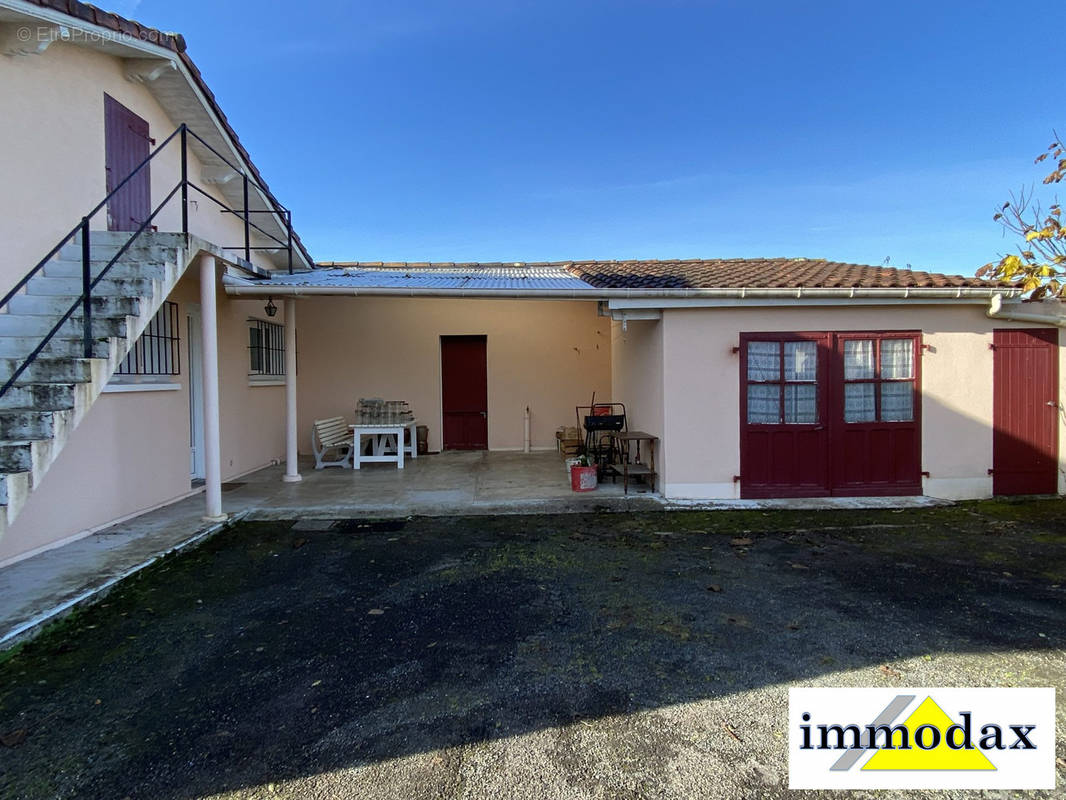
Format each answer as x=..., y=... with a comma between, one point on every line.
x=830, y=414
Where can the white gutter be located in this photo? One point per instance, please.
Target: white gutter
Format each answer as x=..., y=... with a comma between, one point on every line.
x=238, y=287
x=996, y=311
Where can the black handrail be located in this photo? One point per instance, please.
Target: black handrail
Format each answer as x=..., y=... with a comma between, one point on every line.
x=89, y=283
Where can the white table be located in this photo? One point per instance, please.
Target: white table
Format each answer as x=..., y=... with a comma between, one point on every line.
x=386, y=437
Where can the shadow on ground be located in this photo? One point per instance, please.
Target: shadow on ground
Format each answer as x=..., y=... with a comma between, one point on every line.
x=271, y=654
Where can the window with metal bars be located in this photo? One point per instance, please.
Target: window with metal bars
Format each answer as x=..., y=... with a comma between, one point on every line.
x=158, y=350
x=266, y=348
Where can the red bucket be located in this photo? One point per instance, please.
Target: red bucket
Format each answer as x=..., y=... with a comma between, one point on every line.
x=582, y=479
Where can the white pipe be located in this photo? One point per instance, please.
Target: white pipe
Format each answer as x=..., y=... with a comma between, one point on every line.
x=212, y=440
x=995, y=311
x=525, y=441
x=292, y=469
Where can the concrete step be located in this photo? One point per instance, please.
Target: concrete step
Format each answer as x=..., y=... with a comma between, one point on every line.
x=110, y=241
x=55, y=306
x=125, y=269
x=101, y=254
x=30, y=455
x=67, y=346
x=40, y=410
x=13, y=485
x=71, y=287
x=43, y=396
x=28, y=423
x=30, y=325
x=49, y=370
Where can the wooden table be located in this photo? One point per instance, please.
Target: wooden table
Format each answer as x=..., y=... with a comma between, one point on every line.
x=386, y=436
x=631, y=463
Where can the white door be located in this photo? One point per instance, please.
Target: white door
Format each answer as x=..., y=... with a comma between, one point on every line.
x=196, y=397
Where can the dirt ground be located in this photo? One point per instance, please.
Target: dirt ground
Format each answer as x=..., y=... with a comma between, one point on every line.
x=580, y=656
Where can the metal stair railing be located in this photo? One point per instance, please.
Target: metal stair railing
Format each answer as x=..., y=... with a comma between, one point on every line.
x=89, y=282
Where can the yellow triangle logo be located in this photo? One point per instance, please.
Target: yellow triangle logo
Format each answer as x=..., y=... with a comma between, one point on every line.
x=940, y=757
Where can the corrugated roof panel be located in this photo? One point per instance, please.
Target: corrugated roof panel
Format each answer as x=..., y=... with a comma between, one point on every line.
x=495, y=277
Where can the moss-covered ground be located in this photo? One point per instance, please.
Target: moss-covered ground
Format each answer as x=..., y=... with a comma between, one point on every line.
x=615, y=655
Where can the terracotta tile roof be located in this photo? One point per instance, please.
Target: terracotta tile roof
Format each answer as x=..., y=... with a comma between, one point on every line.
x=735, y=273
x=713, y=273
x=174, y=42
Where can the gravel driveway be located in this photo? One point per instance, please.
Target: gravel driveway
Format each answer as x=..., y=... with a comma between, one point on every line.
x=577, y=656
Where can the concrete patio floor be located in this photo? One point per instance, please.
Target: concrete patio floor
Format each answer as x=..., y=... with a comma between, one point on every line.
x=444, y=483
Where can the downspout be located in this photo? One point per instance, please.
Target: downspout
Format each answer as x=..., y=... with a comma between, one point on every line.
x=995, y=311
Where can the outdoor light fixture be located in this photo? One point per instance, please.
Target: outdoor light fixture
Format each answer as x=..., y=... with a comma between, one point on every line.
x=270, y=308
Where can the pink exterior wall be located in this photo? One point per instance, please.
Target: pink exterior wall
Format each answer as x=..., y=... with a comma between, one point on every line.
x=131, y=452
x=702, y=395
x=637, y=380
x=52, y=138
x=550, y=356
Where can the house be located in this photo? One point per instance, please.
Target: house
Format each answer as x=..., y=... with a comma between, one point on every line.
x=213, y=341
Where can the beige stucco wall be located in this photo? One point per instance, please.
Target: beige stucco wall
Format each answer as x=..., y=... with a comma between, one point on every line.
x=702, y=390
x=131, y=452
x=637, y=380
x=550, y=356
x=52, y=141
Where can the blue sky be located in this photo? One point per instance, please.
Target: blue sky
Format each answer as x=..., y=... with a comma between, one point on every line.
x=521, y=131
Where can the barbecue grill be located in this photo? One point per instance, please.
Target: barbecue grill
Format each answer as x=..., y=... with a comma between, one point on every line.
x=601, y=420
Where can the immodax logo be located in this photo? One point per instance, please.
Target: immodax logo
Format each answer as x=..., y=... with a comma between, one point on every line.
x=921, y=738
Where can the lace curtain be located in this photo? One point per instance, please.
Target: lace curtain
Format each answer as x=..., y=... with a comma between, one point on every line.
x=897, y=402
x=765, y=399
x=858, y=359
x=897, y=359
x=764, y=361
x=860, y=402
x=801, y=361
x=897, y=364
x=764, y=403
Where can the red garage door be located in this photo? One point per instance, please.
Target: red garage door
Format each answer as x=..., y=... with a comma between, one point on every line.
x=1025, y=411
x=830, y=414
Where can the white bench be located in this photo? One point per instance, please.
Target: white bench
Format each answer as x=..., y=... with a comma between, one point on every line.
x=331, y=434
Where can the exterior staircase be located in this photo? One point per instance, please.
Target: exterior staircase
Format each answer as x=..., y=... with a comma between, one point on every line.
x=51, y=397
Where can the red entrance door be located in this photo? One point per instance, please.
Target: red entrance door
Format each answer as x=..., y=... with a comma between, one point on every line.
x=1025, y=379
x=126, y=146
x=464, y=392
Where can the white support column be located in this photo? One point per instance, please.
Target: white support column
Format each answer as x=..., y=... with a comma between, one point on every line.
x=292, y=470
x=209, y=339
